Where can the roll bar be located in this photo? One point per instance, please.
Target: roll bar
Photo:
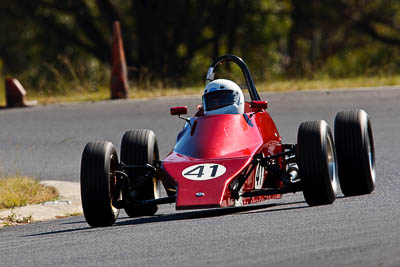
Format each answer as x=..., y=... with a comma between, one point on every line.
x=243, y=67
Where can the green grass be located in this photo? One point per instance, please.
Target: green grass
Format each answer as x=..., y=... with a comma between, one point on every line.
x=18, y=191
x=70, y=96
x=103, y=93
x=317, y=84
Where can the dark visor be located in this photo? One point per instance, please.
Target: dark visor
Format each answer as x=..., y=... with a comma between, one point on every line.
x=219, y=99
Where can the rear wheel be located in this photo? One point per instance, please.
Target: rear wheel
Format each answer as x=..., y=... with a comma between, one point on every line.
x=355, y=152
x=316, y=159
x=140, y=147
x=99, y=187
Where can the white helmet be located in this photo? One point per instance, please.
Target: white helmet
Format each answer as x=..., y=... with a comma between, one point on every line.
x=223, y=97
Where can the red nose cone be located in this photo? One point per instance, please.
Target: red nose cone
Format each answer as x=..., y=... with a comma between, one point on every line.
x=203, y=184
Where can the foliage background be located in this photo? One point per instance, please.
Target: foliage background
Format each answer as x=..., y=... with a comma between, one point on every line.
x=54, y=46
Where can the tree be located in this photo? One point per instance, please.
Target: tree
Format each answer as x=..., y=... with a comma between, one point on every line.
x=322, y=29
x=170, y=41
x=161, y=37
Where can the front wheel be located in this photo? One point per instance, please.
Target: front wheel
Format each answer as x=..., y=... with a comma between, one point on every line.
x=316, y=158
x=99, y=187
x=140, y=147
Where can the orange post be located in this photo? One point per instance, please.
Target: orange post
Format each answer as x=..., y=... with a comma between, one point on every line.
x=15, y=94
x=119, y=72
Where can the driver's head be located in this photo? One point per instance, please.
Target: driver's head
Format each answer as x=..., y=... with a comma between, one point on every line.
x=223, y=97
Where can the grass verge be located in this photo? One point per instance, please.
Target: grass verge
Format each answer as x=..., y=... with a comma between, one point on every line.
x=327, y=83
x=103, y=93
x=14, y=219
x=20, y=191
x=2, y=92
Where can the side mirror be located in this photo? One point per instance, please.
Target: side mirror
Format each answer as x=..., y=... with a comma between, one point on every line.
x=182, y=110
x=259, y=104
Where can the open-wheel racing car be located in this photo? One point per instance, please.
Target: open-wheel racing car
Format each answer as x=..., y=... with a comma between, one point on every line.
x=224, y=159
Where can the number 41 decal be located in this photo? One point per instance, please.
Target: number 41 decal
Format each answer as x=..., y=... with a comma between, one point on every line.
x=205, y=171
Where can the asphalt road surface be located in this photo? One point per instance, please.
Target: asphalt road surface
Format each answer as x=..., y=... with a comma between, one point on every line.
x=47, y=142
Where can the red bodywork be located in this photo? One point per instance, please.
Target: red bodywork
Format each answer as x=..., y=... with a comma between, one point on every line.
x=229, y=140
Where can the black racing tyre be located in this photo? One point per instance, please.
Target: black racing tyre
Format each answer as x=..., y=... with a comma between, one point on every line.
x=355, y=152
x=140, y=147
x=99, y=187
x=316, y=159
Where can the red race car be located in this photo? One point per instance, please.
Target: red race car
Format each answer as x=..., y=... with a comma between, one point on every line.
x=228, y=154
